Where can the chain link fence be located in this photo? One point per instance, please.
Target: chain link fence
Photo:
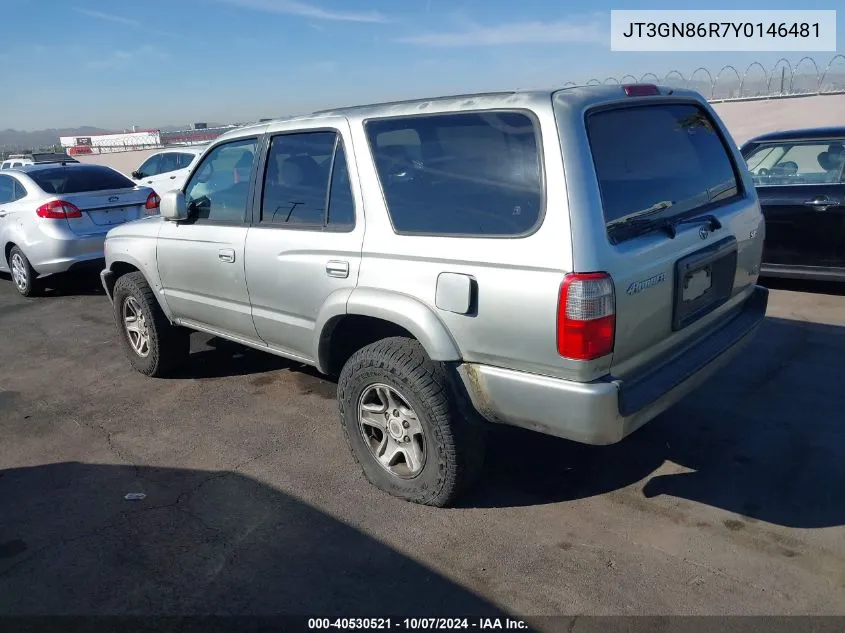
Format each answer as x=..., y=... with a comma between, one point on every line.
x=807, y=76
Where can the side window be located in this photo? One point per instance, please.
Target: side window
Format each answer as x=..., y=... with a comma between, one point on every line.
x=6, y=165
x=306, y=182
x=184, y=160
x=150, y=167
x=169, y=162
x=7, y=189
x=218, y=190
x=341, y=213
x=20, y=191
x=17, y=165
x=792, y=163
x=474, y=173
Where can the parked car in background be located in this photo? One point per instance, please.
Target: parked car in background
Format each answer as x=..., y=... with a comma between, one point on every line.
x=168, y=169
x=800, y=179
x=38, y=158
x=54, y=217
x=573, y=262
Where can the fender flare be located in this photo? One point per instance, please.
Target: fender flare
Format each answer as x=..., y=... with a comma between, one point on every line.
x=124, y=257
x=401, y=309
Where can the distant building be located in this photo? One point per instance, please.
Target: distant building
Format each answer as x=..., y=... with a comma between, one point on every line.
x=116, y=142
x=140, y=139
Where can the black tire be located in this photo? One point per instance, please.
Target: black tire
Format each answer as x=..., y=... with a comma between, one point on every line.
x=30, y=286
x=454, y=435
x=169, y=345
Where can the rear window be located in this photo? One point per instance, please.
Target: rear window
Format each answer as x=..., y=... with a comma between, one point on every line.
x=79, y=178
x=666, y=154
x=475, y=173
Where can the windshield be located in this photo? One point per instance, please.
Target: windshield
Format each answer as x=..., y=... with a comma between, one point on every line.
x=658, y=161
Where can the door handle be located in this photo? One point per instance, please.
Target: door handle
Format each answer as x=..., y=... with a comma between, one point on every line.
x=226, y=255
x=173, y=178
x=3, y=213
x=337, y=269
x=822, y=203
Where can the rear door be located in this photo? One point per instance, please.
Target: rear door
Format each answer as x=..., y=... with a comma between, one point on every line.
x=305, y=243
x=680, y=235
x=14, y=203
x=802, y=195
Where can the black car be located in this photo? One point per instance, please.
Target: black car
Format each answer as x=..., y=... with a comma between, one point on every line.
x=800, y=179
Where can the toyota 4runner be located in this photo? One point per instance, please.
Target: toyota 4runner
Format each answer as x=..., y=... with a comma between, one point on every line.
x=571, y=261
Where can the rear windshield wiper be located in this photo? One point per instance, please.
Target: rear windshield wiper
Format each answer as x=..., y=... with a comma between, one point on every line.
x=642, y=222
x=712, y=220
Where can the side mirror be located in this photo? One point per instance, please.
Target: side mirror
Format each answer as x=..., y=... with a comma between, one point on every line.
x=173, y=206
x=137, y=175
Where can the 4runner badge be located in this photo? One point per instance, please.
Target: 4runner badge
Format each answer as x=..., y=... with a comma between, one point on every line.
x=645, y=284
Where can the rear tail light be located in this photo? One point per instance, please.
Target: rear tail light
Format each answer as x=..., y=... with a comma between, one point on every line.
x=586, y=317
x=58, y=210
x=641, y=90
x=152, y=203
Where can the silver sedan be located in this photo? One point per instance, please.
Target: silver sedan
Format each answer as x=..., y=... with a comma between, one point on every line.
x=54, y=217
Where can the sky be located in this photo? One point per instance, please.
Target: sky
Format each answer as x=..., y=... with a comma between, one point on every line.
x=116, y=63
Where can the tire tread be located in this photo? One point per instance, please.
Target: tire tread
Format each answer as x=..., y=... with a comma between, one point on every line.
x=457, y=432
x=169, y=344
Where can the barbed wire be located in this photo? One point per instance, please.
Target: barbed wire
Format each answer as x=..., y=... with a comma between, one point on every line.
x=806, y=76
x=784, y=79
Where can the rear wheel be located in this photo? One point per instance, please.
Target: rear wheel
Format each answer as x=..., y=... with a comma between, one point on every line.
x=23, y=275
x=154, y=346
x=405, y=425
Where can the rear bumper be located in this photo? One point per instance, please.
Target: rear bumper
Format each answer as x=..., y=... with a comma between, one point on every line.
x=56, y=255
x=607, y=410
x=815, y=273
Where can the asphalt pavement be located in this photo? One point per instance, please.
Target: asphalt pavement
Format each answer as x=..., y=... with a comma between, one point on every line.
x=730, y=503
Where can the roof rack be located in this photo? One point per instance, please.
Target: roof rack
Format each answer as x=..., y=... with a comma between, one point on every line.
x=469, y=95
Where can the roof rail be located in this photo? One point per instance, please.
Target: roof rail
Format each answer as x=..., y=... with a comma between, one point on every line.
x=469, y=95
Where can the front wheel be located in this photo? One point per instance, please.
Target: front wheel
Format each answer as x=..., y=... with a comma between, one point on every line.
x=404, y=424
x=154, y=346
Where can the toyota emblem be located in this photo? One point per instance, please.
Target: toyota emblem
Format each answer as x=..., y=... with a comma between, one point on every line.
x=704, y=232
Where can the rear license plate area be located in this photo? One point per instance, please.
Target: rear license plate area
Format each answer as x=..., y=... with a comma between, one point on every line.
x=110, y=217
x=704, y=280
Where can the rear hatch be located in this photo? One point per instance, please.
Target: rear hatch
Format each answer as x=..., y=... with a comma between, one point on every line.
x=665, y=207
x=104, y=197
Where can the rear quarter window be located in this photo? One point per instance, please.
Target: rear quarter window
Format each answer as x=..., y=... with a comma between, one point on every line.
x=651, y=154
x=64, y=180
x=461, y=174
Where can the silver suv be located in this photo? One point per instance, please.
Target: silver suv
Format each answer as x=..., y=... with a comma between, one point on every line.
x=572, y=262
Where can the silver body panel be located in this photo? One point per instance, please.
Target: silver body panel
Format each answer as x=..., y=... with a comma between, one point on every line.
x=286, y=286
